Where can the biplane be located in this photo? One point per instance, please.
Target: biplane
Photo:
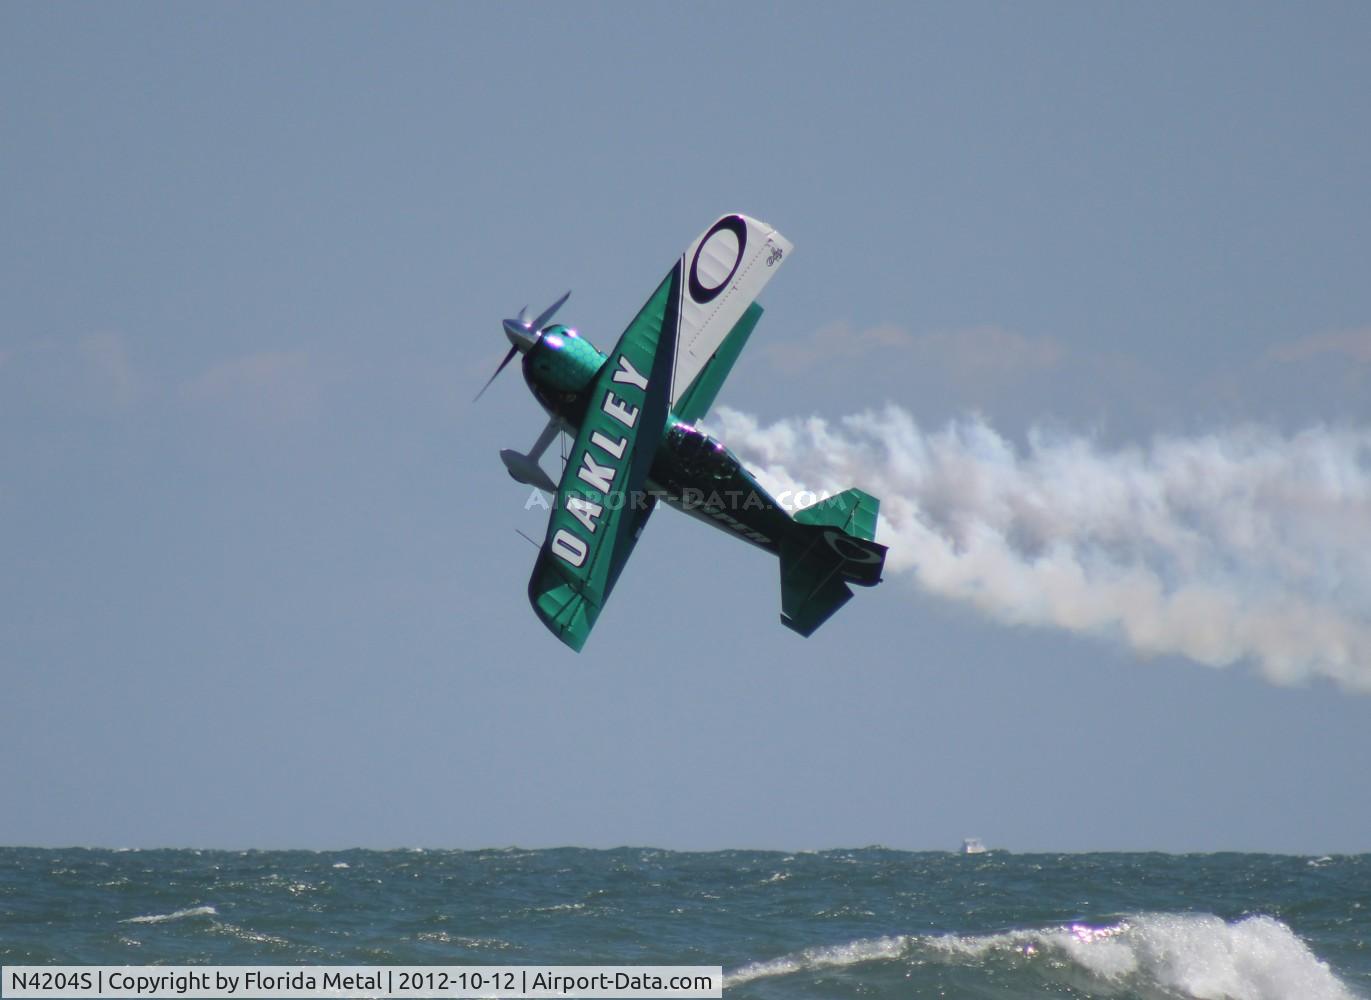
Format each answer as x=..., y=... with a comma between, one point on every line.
x=632, y=415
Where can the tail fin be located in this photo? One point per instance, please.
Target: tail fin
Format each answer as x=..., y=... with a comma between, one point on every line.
x=852, y=510
x=832, y=548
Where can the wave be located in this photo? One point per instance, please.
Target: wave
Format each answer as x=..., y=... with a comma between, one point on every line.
x=161, y=918
x=1153, y=955
x=813, y=959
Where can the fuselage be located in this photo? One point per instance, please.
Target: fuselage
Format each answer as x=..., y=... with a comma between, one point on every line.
x=690, y=471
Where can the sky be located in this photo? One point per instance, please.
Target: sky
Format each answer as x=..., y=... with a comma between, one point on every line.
x=1080, y=290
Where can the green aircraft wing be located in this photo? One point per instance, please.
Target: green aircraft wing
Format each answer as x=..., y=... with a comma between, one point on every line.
x=602, y=503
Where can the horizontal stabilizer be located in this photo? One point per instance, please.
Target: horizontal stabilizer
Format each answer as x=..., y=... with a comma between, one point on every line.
x=810, y=591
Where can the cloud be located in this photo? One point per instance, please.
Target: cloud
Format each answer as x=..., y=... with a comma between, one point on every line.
x=1239, y=544
x=270, y=387
x=1353, y=345
x=974, y=354
x=84, y=376
x=106, y=359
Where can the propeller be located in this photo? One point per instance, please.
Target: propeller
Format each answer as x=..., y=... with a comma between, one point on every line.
x=508, y=358
x=523, y=333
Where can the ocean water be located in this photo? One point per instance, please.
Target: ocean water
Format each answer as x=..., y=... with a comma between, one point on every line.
x=870, y=923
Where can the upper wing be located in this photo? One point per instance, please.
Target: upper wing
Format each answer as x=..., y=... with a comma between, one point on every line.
x=723, y=272
x=695, y=402
x=602, y=504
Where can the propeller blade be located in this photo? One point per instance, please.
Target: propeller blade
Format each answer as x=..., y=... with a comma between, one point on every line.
x=546, y=315
x=508, y=357
x=523, y=335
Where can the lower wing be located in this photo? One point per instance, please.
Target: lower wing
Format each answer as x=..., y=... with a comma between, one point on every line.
x=602, y=503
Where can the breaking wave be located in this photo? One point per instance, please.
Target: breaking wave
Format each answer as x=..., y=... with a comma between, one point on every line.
x=162, y=918
x=1154, y=956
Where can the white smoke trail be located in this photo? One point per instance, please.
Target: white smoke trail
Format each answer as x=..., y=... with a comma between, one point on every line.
x=1238, y=544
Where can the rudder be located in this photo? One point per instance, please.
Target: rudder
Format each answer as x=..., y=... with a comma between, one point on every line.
x=833, y=548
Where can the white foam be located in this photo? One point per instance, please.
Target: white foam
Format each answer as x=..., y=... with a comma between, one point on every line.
x=161, y=918
x=254, y=937
x=1191, y=956
x=870, y=950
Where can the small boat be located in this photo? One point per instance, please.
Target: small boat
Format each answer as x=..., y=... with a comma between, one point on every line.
x=972, y=846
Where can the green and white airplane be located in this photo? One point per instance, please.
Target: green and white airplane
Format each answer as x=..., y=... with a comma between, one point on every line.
x=632, y=414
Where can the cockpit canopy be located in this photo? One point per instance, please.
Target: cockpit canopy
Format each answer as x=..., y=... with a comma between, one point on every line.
x=698, y=455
